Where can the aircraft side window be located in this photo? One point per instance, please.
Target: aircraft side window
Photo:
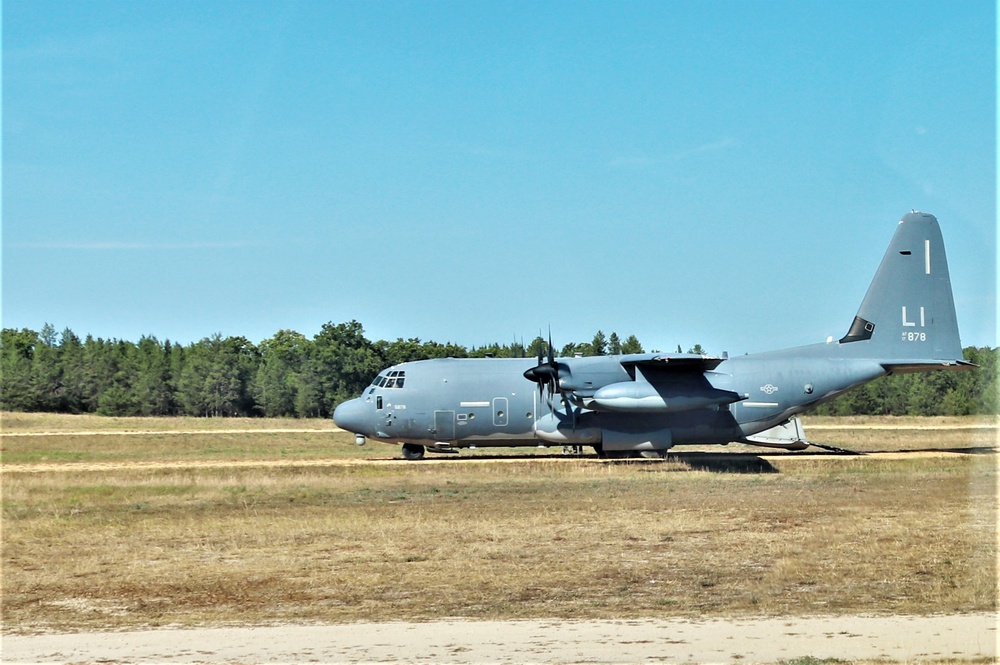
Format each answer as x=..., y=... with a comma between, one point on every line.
x=378, y=402
x=399, y=382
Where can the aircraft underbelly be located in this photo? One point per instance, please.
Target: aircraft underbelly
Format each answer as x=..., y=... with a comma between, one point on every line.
x=614, y=440
x=634, y=432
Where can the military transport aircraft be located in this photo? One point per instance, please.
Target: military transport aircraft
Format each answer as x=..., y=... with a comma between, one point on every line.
x=642, y=404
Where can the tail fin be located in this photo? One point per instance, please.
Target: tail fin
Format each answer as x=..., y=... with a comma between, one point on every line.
x=907, y=319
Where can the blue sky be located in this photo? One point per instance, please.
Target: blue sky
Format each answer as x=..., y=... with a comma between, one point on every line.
x=722, y=173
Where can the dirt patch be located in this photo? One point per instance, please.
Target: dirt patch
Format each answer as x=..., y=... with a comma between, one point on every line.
x=772, y=640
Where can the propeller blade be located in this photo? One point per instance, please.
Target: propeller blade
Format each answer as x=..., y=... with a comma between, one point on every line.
x=545, y=373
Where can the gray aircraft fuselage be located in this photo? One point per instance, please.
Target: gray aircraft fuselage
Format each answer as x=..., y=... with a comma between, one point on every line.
x=646, y=403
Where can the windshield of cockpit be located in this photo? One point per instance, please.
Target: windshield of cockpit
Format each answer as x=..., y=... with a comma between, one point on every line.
x=390, y=379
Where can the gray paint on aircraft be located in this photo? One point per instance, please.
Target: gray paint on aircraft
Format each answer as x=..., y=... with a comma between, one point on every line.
x=647, y=403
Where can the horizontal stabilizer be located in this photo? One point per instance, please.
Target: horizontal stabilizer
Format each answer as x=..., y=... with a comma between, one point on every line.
x=909, y=366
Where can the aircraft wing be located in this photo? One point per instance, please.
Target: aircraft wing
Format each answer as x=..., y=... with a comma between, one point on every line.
x=644, y=382
x=679, y=362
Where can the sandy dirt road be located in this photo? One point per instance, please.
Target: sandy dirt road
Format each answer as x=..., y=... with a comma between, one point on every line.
x=897, y=638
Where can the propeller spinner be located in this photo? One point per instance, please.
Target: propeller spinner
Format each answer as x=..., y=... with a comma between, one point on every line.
x=546, y=372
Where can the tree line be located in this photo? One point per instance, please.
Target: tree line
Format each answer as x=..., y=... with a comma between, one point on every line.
x=290, y=374
x=942, y=393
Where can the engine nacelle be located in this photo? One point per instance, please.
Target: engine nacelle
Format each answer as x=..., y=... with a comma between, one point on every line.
x=644, y=397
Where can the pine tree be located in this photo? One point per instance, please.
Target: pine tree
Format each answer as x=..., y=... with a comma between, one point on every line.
x=17, y=350
x=599, y=345
x=632, y=345
x=614, y=345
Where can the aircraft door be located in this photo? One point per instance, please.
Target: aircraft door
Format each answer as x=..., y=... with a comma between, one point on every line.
x=500, y=411
x=444, y=425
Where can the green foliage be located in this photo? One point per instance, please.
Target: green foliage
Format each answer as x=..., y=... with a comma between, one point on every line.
x=213, y=377
x=614, y=345
x=970, y=392
x=537, y=348
x=292, y=375
x=278, y=387
x=631, y=345
x=16, y=364
x=601, y=345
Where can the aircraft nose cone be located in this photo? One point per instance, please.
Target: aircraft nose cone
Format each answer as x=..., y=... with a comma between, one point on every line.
x=352, y=416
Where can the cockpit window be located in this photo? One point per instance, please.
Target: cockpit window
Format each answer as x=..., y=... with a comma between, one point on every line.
x=390, y=379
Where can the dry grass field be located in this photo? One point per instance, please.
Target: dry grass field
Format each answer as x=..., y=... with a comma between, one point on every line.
x=734, y=532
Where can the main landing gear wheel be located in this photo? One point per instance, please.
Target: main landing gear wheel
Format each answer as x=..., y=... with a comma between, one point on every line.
x=617, y=454
x=412, y=451
x=632, y=454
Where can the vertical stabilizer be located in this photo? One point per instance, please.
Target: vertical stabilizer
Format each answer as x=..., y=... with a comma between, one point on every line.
x=907, y=319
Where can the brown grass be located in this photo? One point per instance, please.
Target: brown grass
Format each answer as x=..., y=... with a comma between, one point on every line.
x=217, y=439
x=535, y=538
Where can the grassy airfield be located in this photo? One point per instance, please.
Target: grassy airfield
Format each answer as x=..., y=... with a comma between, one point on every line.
x=155, y=522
